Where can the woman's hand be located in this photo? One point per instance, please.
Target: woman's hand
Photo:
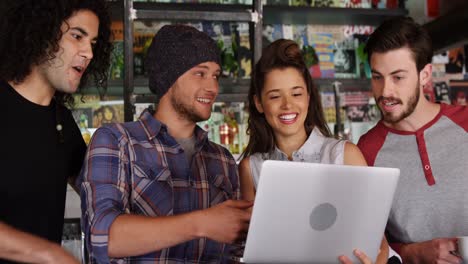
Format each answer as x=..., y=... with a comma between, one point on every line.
x=359, y=254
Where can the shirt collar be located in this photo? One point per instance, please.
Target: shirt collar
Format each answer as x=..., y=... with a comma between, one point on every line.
x=311, y=146
x=201, y=137
x=153, y=127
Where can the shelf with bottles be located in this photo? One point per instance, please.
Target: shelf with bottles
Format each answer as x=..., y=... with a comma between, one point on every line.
x=227, y=126
x=358, y=112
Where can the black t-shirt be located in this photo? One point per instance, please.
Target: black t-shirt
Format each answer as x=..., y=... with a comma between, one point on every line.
x=34, y=164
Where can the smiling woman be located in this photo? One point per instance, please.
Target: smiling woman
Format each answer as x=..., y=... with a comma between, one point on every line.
x=282, y=60
x=287, y=123
x=284, y=101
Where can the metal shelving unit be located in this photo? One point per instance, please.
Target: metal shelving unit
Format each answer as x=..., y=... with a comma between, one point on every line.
x=447, y=31
x=328, y=16
x=136, y=90
x=180, y=12
x=231, y=90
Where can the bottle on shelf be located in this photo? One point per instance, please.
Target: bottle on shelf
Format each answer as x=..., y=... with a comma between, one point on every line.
x=224, y=134
x=84, y=129
x=233, y=133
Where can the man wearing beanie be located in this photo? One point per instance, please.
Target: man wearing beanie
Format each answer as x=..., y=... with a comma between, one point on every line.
x=157, y=190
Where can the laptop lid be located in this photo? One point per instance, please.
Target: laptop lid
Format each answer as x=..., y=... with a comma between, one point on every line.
x=313, y=213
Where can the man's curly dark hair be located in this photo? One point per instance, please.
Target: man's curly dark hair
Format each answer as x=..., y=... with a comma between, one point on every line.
x=30, y=31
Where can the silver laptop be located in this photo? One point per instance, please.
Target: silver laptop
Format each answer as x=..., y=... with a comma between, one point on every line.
x=313, y=213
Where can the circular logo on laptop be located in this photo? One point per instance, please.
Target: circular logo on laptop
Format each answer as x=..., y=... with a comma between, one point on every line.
x=323, y=216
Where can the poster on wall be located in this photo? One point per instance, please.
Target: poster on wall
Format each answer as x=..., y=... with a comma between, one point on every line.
x=458, y=92
x=456, y=61
x=344, y=58
x=108, y=112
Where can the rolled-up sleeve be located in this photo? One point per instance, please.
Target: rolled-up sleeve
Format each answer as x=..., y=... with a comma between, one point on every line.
x=104, y=190
x=232, y=174
x=235, y=181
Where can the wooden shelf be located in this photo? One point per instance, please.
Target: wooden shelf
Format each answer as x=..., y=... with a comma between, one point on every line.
x=185, y=11
x=272, y=14
x=277, y=14
x=447, y=31
x=230, y=90
x=347, y=85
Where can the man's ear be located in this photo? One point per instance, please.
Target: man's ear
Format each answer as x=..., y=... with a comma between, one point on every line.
x=258, y=104
x=425, y=75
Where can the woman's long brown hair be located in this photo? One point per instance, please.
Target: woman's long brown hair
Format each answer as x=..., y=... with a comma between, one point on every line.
x=280, y=54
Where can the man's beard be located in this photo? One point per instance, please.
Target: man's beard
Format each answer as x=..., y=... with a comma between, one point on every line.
x=185, y=111
x=411, y=105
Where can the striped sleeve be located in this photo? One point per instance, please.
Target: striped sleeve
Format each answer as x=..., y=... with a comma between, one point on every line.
x=371, y=143
x=104, y=190
x=232, y=173
x=458, y=114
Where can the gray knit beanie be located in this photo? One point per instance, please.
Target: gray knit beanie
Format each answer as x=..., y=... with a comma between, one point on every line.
x=174, y=50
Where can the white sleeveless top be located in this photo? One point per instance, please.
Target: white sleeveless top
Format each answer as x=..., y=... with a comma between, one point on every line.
x=316, y=149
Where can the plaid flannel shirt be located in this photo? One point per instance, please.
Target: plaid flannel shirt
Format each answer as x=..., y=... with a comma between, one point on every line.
x=138, y=168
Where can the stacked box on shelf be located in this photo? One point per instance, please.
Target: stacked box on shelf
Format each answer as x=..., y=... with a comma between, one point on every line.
x=323, y=46
x=232, y=38
x=299, y=2
x=328, y=104
x=359, y=108
x=448, y=84
x=355, y=4
x=344, y=58
x=116, y=69
x=458, y=92
x=278, y=2
x=300, y=35
x=288, y=31
x=325, y=3
x=244, y=52
x=98, y=110
x=322, y=38
x=361, y=56
x=270, y=33
x=144, y=32
x=322, y=42
x=317, y=42
x=222, y=33
x=227, y=2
